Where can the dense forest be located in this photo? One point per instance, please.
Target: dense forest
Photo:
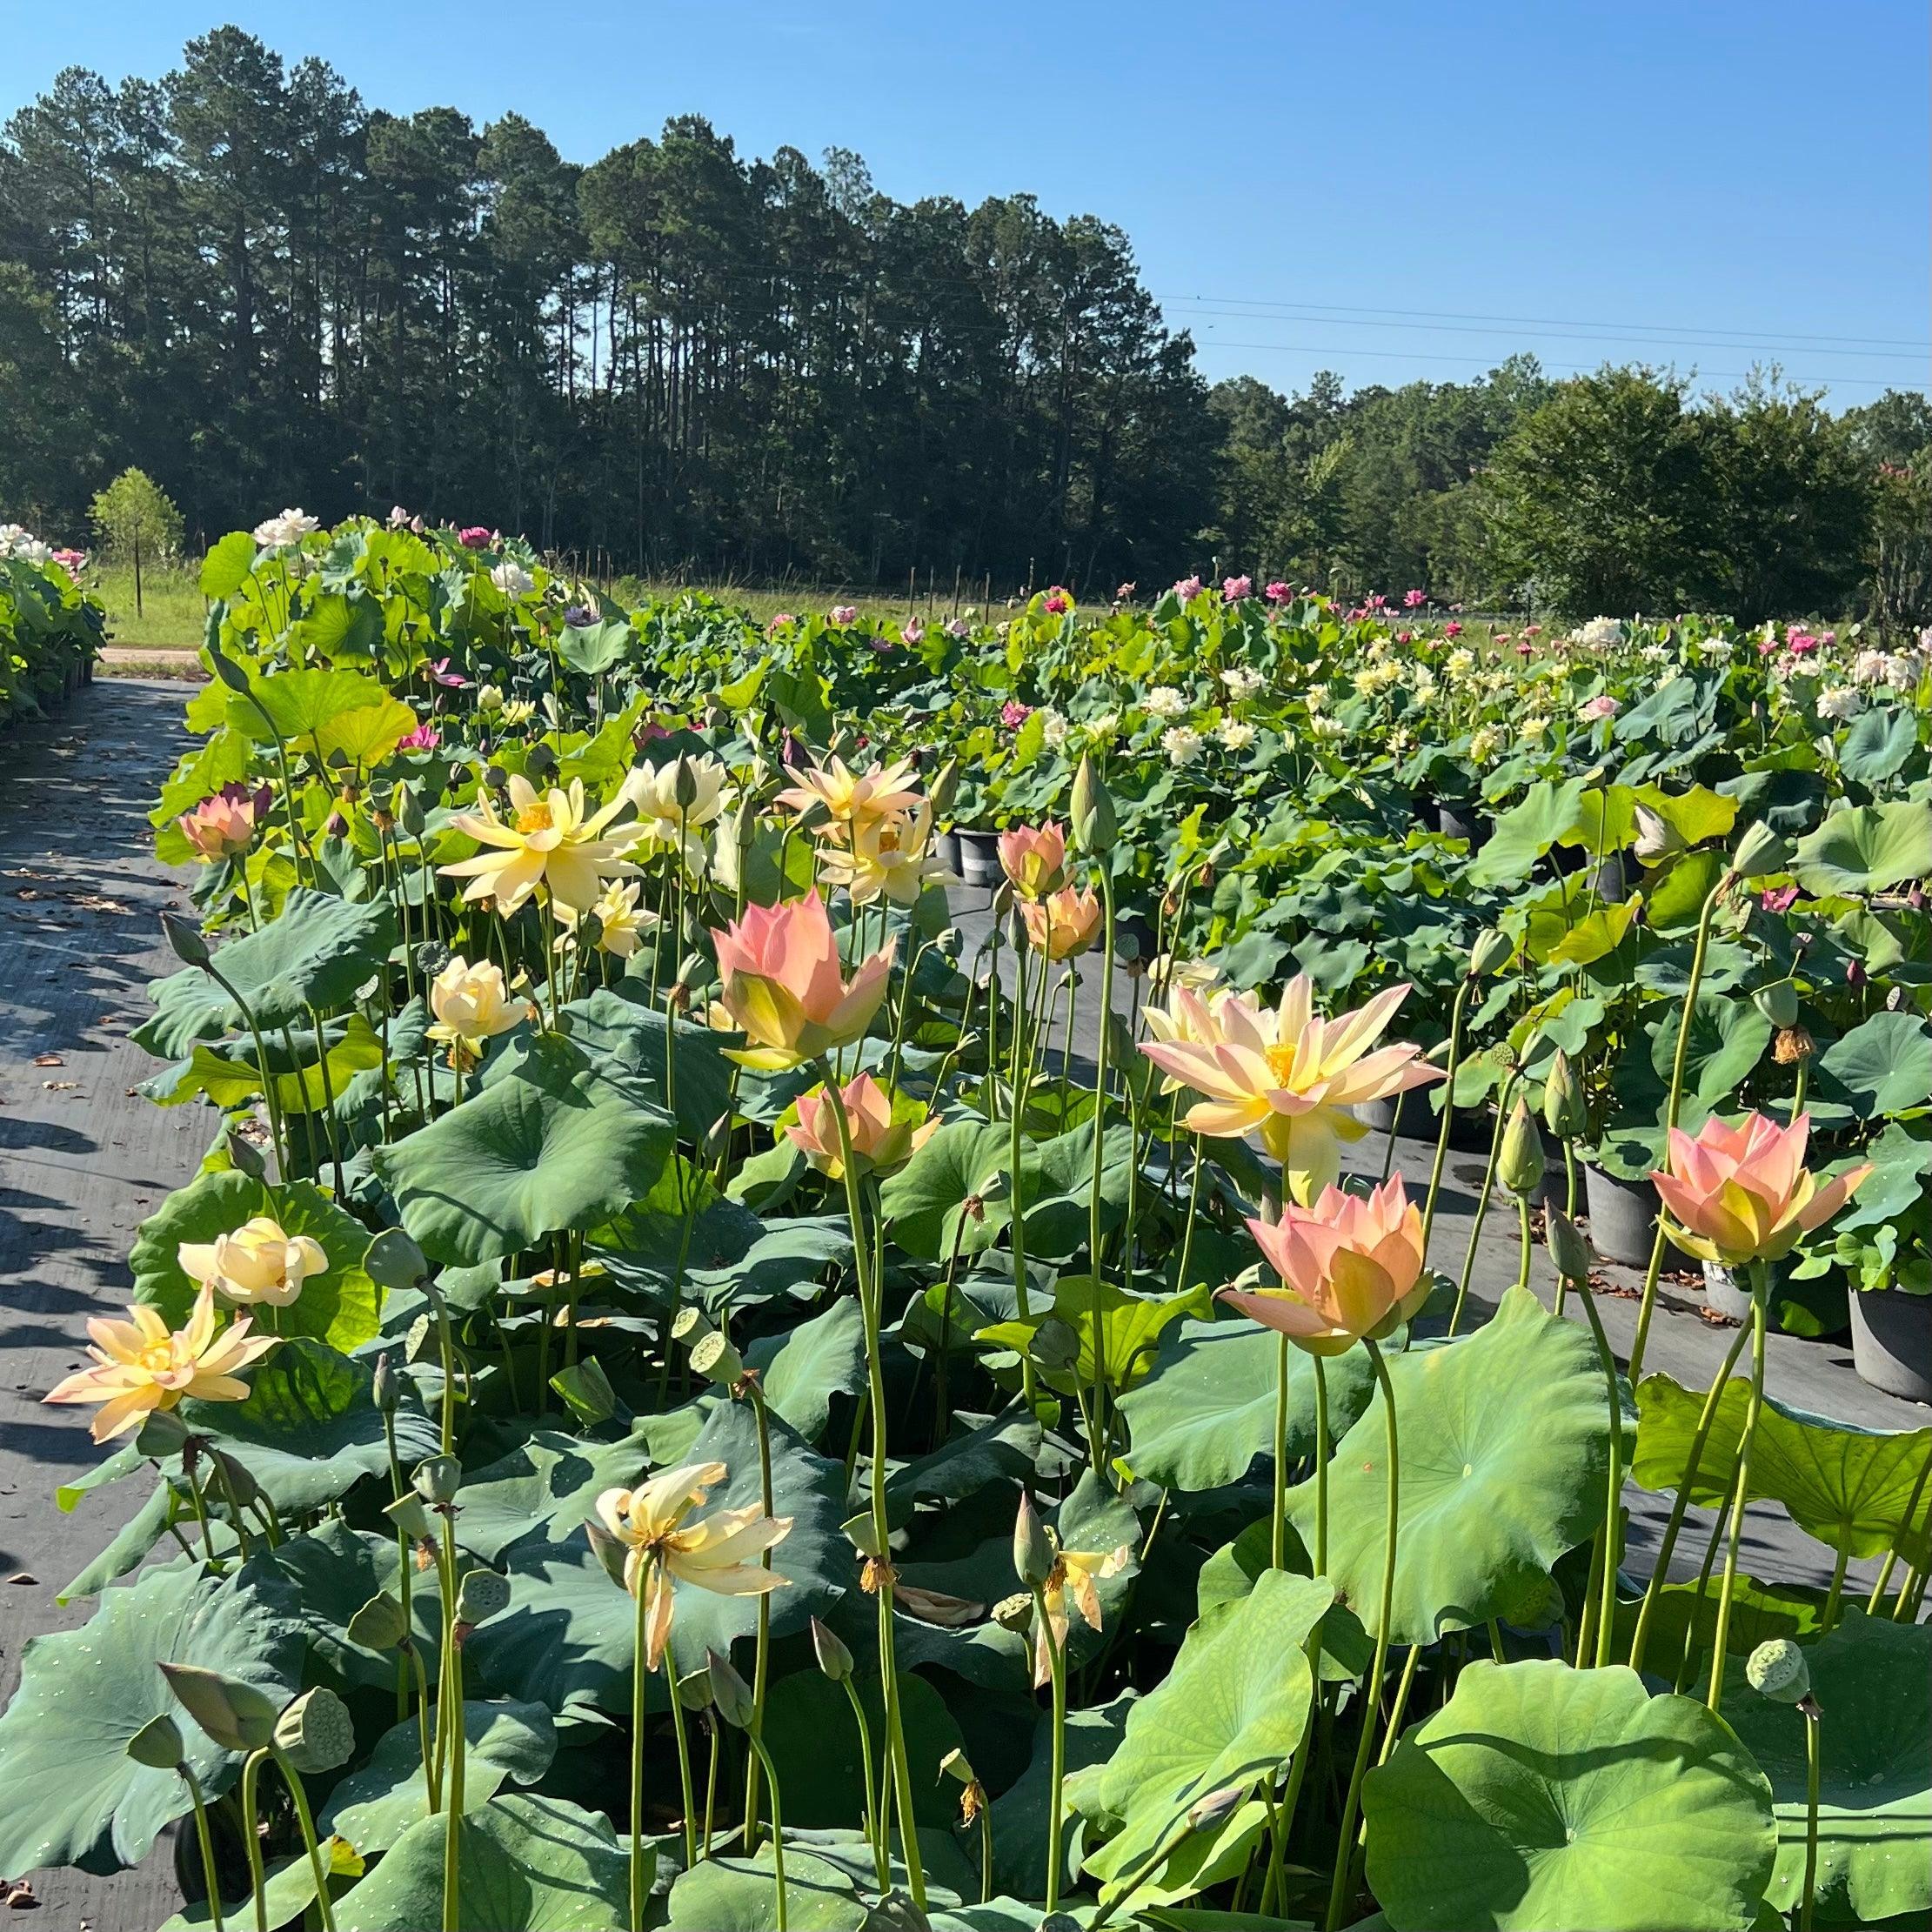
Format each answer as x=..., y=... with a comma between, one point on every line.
x=263, y=292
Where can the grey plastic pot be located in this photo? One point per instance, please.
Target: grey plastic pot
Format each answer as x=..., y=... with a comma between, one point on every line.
x=980, y=859
x=1411, y=1115
x=1726, y=1293
x=1891, y=1342
x=947, y=845
x=1623, y=1217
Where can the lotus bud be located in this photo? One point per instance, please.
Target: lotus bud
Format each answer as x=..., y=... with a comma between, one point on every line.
x=1094, y=823
x=1760, y=852
x=228, y=670
x=1657, y=838
x=694, y=1691
x=834, y=1659
x=718, y=1138
x=380, y=1624
x=236, y=1714
x=162, y=1434
x=239, y=1478
x=732, y=1695
x=611, y=1551
x=489, y=698
x=315, y=1733
x=1568, y=1248
x=1777, y=1669
x=683, y=784
x=1564, y=1113
x=410, y=1518
x=385, y=1387
x=408, y=806
x=481, y=1594
x=1522, y=1165
x=157, y=1744
x=945, y=787
x=1778, y=1002
x=1205, y=1812
x=1492, y=952
x=714, y=1358
x=393, y=1261
x=1032, y=1550
x=246, y=1157
x=438, y=1479
x=184, y=937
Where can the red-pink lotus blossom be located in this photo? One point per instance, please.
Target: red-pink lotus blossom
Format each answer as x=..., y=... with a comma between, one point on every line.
x=1235, y=589
x=1013, y=714
x=1278, y=593
x=474, y=537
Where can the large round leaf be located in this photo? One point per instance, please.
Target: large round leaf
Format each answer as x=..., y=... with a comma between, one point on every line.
x=552, y=1143
x=1865, y=848
x=1504, y=1443
x=1206, y=1411
x=527, y=1864
x=73, y=1794
x=1883, y=1066
x=1872, y=1680
x=806, y=1366
x=739, y=1895
x=1542, y=1797
x=926, y=1201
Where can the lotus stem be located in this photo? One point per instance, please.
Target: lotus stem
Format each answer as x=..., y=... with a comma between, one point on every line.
x=1056, y=1810
x=1321, y=1466
x=305, y=1818
x=1015, y=1135
x=1100, y=1146
x=251, y=1837
x=1813, y=1768
x=1704, y=1571
x=1278, y=1541
x=764, y=1757
x=1761, y=1296
x=639, y=1678
x=1406, y=1683
x=1829, y=1616
x=763, y=1666
x=1605, y=1622
x=1448, y=1112
x=1193, y=1211
x=714, y=1733
x=452, y=1695
x=685, y=1787
x=205, y=1840
x=1344, y=1840
x=875, y=1823
x=1524, y=1243
x=1482, y=1202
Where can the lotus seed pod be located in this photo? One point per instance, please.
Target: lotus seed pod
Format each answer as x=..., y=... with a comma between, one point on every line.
x=1777, y=1669
x=834, y=1659
x=1032, y=1550
x=1564, y=1113
x=859, y=1531
x=385, y=1389
x=611, y=1551
x=714, y=1358
x=236, y=1715
x=380, y=1624
x=393, y=1261
x=1491, y=953
x=1015, y=1611
x=1522, y=1165
x=732, y=1695
x=315, y=1733
x=1568, y=1248
x=1778, y=1002
x=157, y=1744
x=438, y=1479
x=690, y=1325
x=410, y=1517
x=954, y=1764
x=482, y=1594
x=1761, y=852
x=1095, y=825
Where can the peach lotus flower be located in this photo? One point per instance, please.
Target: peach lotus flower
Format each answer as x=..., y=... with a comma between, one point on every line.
x=1034, y=859
x=1063, y=923
x=1071, y=1588
x=550, y=842
x=854, y=801
x=891, y=859
x=257, y=1263
x=140, y=1367
x=782, y=988
x=1743, y=1193
x=718, y=1553
x=1349, y=1268
x=1290, y=1075
x=222, y=825
x=879, y=1144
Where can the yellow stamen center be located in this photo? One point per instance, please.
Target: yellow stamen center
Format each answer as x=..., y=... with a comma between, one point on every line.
x=534, y=817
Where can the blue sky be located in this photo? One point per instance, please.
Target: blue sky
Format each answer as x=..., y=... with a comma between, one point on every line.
x=1392, y=189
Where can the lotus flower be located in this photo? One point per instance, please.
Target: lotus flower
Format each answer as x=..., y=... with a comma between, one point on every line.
x=1063, y=923
x=879, y=1144
x=474, y=537
x=665, y=825
x=622, y=920
x=140, y=1367
x=424, y=738
x=472, y=1005
x=1349, y=1268
x=1034, y=859
x=854, y=801
x=255, y=1263
x=549, y=843
x=891, y=859
x=782, y=988
x=718, y=1553
x=1070, y=1589
x=1288, y=1073
x=222, y=825
x=1743, y=1193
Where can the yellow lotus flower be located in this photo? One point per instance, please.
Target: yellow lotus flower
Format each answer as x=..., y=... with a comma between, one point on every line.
x=854, y=801
x=140, y=1367
x=664, y=825
x=623, y=919
x=718, y=1553
x=549, y=842
x=1288, y=1073
x=256, y=1263
x=472, y=1004
x=1063, y=923
x=890, y=857
x=1071, y=1587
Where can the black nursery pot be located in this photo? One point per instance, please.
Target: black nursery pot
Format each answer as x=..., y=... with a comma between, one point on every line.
x=1462, y=820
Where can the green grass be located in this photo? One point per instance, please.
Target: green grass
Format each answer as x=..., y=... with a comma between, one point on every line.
x=171, y=613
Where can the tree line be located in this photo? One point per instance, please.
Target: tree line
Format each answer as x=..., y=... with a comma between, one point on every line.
x=259, y=289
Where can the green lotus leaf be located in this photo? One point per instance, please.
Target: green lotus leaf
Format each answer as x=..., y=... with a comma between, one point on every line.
x=341, y=1306
x=1846, y=1486
x=553, y=1143
x=336, y=1570
x=527, y=1864
x=1205, y=1411
x=736, y=1894
x=368, y=734
x=74, y=1795
x=1872, y=1680
x=310, y=1431
x=594, y=648
x=1522, y=834
x=1542, y=1797
x=814, y=1740
x=300, y=703
x=615, y=1027
x=1728, y=1039
x=1231, y=1712
x=547, y=1488
x=805, y=1367
x=1118, y=1337
x=506, y=1743
x=228, y=565
x=925, y=1201
x=1883, y=1066
x=1878, y=744
x=1865, y=848
x=986, y=1449
x=1685, y=1618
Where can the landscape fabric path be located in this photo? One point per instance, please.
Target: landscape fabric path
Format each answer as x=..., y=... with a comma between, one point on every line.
x=84, y=1159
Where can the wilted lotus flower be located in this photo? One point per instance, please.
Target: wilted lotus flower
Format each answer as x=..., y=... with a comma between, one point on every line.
x=1071, y=1590
x=140, y=1367
x=222, y=825
x=879, y=1144
x=783, y=989
x=1743, y=1193
x=257, y=1262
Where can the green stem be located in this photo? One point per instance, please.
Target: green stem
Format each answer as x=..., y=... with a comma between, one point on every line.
x=1321, y=1466
x=875, y=1825
x=305, y=1818
x=1482, y=1203
x=1056, y=1667
x=209, y=1877
x=685, y=1787
x=1606, y=1611
x=1448, y=1112
x=1813, y=1769
x=1194, y=1213
x=252, y=1836
x=639, y=1677
x=1100, y=1146
x=1278, y=1542
x=1760, y=1295
x=763, y=1666
x=452, y=1695
x=778, y=1825
x=1015, y=1134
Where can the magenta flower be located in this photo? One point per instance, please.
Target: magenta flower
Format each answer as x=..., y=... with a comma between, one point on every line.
x=1013, y=714
x=782, y=620
x=1533, y=630
x=475, y=538
x=1452, y=629
x=1278, y=593
x=1526, y=649
x=1187, y=589
x=1059, y=601
x=1778, y=899
x=424, y=738
x=1798, y=643
x=71, y=561
x=1411, y=598
x=441, y=673
x=1234, y=589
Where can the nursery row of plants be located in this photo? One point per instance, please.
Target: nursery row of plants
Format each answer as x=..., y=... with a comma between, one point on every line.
x=677, y=1399
x=50, y=630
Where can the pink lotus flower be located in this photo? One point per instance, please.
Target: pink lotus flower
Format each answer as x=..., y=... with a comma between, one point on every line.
x=840, y=615
x=222, y=825
x=1349, y=1268
x=1124, y=591
x=1533, y=630
x=913, y=631
x=1600, y=706
x=1526, y=649
x=1452, y=629
x=1034, y=859
x=1278, y=593
x=1235, y=589
x=1743, y=1193
x=440, y=673
x=879, y=1144
x=782, y=620
x=424, y=738
x=398, y=517
x=1187, y=589
x=782, y=988
x=1778, y=899
x=1013, y=714
x=1412, y=599
x=1059, y=601
x=959, y=628
x=72, y=561
x=1799, y=643
x=475, y=538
